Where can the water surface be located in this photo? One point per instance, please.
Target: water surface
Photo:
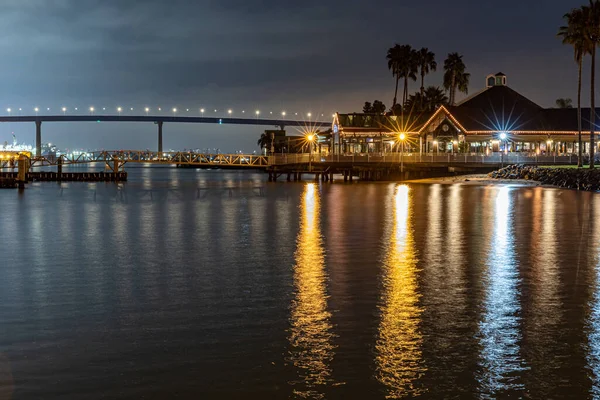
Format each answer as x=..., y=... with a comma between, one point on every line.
x=214, y=284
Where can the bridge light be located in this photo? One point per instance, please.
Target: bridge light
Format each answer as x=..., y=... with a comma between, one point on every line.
x=309, y=115
x=131, y=108
x=174, y=111
x=9, y=110
x=92, y=110
x=147, y=110
x=229, y=111
x=215, y=110
x=257, y=112
x=283, y=113
x=202, y=111
x=36, y=110
x=187, y=110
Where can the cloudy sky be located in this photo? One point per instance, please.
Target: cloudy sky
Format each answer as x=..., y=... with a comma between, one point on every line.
x=318, y=56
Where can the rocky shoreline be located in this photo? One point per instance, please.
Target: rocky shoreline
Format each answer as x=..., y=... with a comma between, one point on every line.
x=569, y=178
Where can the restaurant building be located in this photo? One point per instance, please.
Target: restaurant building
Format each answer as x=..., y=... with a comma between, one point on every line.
x=495, y=119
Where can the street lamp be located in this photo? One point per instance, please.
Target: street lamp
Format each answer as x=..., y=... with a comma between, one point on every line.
x=9, y=111
x=309, y=115
x=402, y=137
x=202, y=111
x=36, y=110
x=64, y=110
x=147, y=110
x=119, y=109
x=311, y=138
x=92, y=110
x=229, y=111
x=174, y=111
x=283, y=114
x=257, y=113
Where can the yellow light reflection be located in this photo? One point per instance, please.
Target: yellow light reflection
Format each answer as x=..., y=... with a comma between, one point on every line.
x=310, y=334
x=499, y=329
x=399, y=345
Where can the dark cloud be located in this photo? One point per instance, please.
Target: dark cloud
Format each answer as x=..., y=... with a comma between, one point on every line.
x=322, y=55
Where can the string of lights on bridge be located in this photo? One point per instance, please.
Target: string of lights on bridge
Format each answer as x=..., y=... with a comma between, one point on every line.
x=172, y=111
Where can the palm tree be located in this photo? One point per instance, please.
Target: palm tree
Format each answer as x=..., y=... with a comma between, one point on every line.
x=455, y=76
x=402, y=61
x=434, y=97
x=264, y=141
x=394, y=57
x=427, y=63
x=591, y=16
x=573, y=34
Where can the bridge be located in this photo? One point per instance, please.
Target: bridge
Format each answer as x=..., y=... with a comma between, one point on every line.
x=159, y=121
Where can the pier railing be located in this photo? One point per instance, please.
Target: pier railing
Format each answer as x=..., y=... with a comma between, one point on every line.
x=411, y=158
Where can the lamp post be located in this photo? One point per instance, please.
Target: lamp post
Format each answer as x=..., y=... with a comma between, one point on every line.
x=310, y=137
x=503, y=139
x=401, y=137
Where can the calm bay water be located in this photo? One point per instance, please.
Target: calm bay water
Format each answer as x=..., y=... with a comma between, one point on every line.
x=213, y=284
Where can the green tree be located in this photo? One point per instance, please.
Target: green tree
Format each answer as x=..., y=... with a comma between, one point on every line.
x=367, y=108
x=402, y=61
x=455, y=76
x=426, y=62
x=378, y=107
x=573, y=34
x=564, y=103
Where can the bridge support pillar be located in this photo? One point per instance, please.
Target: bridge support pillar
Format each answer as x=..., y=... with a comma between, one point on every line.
x=160, y=141
x=38, y=138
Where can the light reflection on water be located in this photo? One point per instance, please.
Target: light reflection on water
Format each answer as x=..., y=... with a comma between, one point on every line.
x=499, y=328
x=216, y=286
x=399, y=343
x=311, y=330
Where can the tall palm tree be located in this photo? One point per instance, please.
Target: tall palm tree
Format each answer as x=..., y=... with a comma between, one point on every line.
x=427, y=63
x=455, y=76
x=592, y=32
x=573, y=34
x=394, y=57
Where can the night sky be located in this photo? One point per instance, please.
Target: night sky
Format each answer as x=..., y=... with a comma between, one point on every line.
x=317, y=56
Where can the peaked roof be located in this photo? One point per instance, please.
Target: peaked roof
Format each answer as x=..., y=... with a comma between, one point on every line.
x=500, y=74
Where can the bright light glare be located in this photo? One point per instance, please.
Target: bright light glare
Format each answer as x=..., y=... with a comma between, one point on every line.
x=503, y=136
x=402, y=136
x=229, y=111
